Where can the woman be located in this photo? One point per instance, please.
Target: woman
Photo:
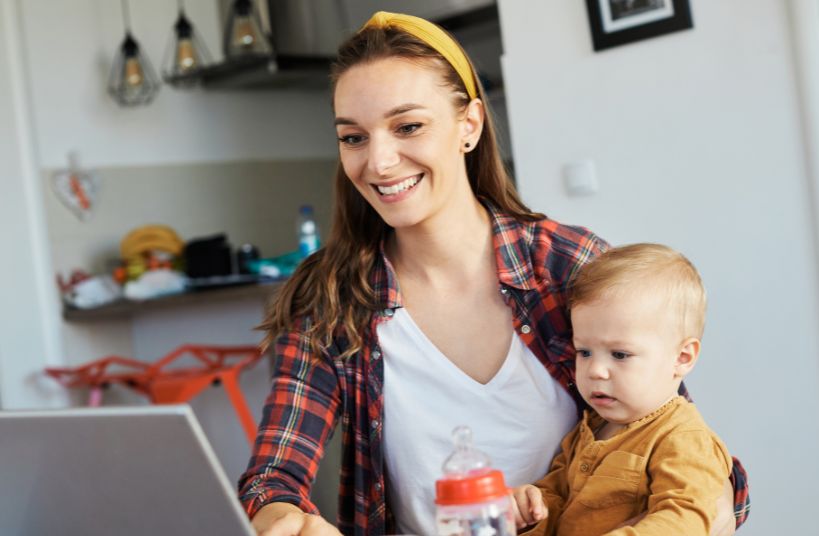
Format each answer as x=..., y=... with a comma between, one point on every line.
x=439, y=300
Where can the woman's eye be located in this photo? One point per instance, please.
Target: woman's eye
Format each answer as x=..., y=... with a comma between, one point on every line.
x=619, y=355
x=409, y=129
x=352, y=139
x=583, y=353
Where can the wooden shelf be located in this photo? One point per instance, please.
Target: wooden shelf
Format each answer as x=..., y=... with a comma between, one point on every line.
x=126, y=308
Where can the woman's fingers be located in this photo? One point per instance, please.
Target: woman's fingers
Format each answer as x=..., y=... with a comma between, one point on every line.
x=300, y=524
x=289, y=524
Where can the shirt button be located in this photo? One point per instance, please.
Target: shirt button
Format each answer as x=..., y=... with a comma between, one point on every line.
x=376, y=354
x=584, y=467
x=525, y=329
x=374, y=424
x=378, y=486
x=388, y=312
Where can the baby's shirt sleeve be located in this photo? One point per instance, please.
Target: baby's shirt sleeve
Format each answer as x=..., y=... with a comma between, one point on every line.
x=554, y=487
x=688, y=471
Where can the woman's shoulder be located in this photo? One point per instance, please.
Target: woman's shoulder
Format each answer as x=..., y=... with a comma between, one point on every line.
x=561, y=248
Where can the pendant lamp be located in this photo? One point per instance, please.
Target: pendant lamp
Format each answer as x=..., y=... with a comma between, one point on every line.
x=132, y=81
x=243, y=34
x=186, y=52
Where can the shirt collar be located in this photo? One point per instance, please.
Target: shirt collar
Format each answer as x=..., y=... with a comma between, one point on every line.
x=513, y=256
x=512, y=240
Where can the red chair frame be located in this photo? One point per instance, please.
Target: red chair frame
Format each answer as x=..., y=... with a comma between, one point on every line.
x=164, y=383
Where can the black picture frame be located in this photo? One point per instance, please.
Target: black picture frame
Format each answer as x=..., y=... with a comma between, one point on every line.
x=617, y=22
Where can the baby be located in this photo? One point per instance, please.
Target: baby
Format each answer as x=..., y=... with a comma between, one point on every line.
x=642, y=455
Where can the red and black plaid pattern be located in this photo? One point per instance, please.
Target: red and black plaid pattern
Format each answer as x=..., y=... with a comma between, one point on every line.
x=311, y=394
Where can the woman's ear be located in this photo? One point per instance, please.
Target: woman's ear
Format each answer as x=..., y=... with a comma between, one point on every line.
x=472, y=122
x=687, y=357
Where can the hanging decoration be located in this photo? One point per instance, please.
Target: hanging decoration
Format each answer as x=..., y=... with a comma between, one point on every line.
x=186, y=53
x=132, y=81
x=243, y=34
x=76, y=188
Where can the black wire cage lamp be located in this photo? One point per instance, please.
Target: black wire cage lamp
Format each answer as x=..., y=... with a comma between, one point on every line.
x=243, y=34
x=186, y=53
x=132, y=81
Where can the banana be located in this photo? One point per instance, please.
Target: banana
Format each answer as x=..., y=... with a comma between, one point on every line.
x=148, y=238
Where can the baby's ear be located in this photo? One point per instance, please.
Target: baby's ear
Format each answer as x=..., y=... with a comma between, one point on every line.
x=687, y=357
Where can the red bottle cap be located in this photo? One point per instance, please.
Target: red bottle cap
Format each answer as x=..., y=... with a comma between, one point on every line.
x=484, y=486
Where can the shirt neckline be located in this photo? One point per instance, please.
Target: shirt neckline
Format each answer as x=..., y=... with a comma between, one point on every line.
x=497, y=381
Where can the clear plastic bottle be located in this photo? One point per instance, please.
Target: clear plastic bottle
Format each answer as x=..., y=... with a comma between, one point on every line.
x=472, y=498
x=308, y=231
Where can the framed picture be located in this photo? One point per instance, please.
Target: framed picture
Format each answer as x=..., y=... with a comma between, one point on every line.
x=617, y=22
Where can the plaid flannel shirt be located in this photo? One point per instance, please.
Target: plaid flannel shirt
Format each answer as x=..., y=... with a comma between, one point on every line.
x=311, y=394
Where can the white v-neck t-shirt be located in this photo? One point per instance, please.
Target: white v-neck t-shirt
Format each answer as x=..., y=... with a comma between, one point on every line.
x=518, y=418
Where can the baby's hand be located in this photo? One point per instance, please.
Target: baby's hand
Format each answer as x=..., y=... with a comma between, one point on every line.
x=529, y=506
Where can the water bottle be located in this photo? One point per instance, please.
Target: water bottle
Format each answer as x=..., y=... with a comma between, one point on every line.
x=472, y=498
x=308, y=231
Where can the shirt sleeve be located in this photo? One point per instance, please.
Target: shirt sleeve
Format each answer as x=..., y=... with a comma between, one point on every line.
x=554, y=487
x=298, y=419
x=739, y=480
x=688, y=471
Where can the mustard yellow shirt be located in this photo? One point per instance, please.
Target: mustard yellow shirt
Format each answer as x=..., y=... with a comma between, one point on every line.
x=668, y=465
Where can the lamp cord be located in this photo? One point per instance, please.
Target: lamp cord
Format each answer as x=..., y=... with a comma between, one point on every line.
x=126, y=15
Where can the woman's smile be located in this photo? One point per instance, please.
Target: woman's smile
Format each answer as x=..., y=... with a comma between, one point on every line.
x=396, y=191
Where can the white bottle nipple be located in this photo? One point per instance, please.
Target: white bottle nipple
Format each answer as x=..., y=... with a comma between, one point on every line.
x=465, y=459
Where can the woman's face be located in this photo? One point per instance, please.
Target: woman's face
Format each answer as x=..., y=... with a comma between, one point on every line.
x=401, y=138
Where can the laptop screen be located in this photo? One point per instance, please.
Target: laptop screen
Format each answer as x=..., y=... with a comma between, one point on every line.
x=116, y=470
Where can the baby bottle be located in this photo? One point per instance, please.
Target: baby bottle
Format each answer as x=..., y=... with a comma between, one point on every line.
x=472, y=499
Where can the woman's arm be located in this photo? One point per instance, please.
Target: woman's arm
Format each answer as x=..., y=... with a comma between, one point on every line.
x=298, y=418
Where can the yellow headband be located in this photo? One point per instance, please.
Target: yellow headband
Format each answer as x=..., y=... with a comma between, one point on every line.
x=432, y=35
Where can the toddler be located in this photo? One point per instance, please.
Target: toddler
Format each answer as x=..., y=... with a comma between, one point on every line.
x=642, y=455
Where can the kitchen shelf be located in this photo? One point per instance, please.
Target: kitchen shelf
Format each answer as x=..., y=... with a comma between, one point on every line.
x=260, y=72
x=124, y=309
x=285, y=71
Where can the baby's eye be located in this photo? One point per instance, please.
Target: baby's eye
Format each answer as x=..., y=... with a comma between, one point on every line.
x=408, y=128
x=583, y=353
x=352, y=139
x=619, y=355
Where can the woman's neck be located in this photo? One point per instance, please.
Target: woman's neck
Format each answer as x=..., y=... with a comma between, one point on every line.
x=454, y=244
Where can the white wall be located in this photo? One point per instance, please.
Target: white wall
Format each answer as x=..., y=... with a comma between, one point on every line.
x=28, y=333
x=71, y=44
x=697, y=142
x=55, y=62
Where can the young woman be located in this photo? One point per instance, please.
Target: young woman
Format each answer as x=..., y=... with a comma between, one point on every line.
x=439, y=300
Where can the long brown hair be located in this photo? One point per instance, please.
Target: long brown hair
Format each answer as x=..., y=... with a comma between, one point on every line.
x=330, y=292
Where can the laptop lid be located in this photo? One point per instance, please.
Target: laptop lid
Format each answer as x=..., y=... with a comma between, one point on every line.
x=118, y=470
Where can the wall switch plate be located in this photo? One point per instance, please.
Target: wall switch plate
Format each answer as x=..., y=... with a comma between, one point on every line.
x=580, y=178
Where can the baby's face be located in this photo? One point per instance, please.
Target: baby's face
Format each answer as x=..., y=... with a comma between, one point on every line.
x=627, y=348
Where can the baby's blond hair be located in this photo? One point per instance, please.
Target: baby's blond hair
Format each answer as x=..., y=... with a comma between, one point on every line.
x=651, y=268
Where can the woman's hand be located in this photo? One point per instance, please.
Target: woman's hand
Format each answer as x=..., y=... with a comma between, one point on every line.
x=528, y=506
x=724, y=523
x=284, y=519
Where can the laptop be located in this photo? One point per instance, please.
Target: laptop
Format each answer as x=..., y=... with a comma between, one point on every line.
x=146, y=470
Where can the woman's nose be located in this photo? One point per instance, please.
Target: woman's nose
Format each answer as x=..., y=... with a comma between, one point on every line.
x=383, y=155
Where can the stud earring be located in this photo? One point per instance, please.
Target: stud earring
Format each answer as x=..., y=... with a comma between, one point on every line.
x=467, y=145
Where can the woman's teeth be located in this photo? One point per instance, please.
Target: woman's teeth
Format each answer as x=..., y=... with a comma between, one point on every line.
x=400, y=187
